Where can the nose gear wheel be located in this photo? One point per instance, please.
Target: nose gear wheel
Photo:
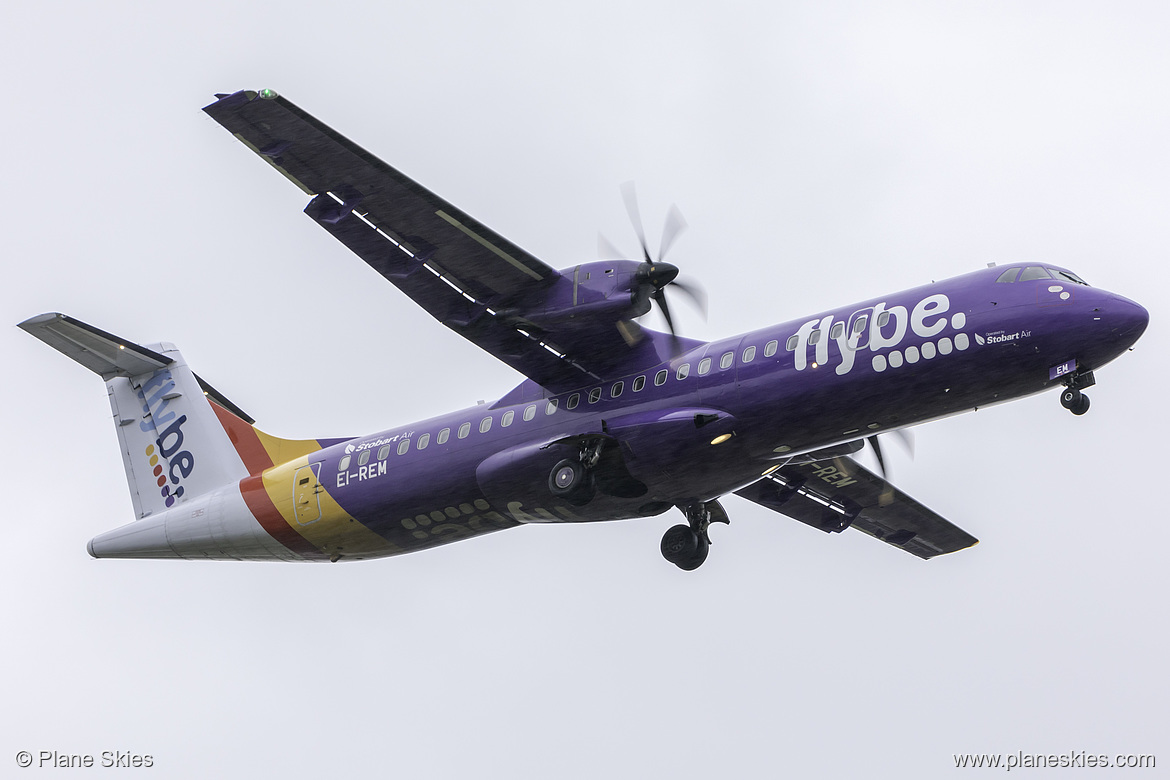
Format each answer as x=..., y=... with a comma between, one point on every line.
x=1071, y=397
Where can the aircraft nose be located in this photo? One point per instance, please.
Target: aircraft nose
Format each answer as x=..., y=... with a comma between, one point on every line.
x=1128, y=319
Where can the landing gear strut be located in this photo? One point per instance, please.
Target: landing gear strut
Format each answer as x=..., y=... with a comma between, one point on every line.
x=686, y=546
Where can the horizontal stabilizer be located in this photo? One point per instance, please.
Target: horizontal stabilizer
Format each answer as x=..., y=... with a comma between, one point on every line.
x=100, y=352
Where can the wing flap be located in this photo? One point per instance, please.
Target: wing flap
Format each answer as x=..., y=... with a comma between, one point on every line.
x=838, y=494
x=444, y=298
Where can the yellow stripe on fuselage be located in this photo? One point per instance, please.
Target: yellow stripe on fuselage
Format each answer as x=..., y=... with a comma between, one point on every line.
x=284, y=450
x=334, y=532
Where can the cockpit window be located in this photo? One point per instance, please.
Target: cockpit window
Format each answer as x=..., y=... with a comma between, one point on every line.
x=1008, y=276
x=1034, y=272
x=1067, y=275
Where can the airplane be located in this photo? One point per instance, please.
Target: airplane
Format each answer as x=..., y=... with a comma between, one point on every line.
x=613, y=420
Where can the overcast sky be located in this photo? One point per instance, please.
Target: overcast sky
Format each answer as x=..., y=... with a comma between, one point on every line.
x=822, y=153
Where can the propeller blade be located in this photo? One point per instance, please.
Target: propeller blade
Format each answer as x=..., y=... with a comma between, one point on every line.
x=630, y=195
x=906, y=436
x=631, y=332
x=675, y=341
x=675, y=225
x=695, y=292
x=606, y=250
x=660, y=298
x=877, y=451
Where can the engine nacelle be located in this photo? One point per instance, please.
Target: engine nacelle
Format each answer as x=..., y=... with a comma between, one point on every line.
x=594, y=293
x=653, y=438
x=519, y=475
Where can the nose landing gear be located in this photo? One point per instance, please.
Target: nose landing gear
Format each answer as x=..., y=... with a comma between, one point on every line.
x=686, y=546
x=1072, y=398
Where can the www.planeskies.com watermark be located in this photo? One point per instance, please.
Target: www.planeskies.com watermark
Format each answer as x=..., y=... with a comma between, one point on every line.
x=1070, y=760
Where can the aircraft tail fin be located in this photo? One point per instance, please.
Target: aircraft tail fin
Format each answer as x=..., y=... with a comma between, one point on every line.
x=179, y=437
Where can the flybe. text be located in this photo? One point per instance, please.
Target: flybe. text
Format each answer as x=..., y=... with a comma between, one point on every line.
x=877, y=328
x=167, y=453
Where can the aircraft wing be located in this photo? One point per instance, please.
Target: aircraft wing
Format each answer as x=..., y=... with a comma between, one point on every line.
x=838, y=494
x=467, y=276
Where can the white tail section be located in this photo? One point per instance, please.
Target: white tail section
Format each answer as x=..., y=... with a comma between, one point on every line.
x=173, y=445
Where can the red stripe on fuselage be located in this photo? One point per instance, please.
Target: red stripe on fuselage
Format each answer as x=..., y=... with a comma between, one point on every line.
x=270, y=519
x=243, y=437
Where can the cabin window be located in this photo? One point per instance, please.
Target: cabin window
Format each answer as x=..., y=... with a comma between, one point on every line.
x=423, y=441
x=616, y=390
x=770, y=348
x=859, y=323
x=442, y=438
x=883, y=319
x=552, y=406
x=343, y=464
x=749, y=354
x=683, y=371
x=793, y=340
x=574, y=399
x=1008, y=276
x=814, y=337
x=660, y=378
x=485, y=425
x=727, y=359
x=639, y=383
x=529, y=413
x=364, y=458
x=506, y=420
x=838, y=330
x=595, y=395
x=383, y=452
x=704, y=366
x=1033, y=272
x=403, y=446
x=464, y=429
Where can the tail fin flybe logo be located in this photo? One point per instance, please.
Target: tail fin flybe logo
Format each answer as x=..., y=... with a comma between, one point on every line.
x=170, y=463
x=160, y=387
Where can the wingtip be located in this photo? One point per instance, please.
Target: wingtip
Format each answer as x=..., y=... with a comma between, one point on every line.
x=38, y=319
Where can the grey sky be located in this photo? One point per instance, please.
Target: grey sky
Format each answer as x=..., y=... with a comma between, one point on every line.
x=821, y=152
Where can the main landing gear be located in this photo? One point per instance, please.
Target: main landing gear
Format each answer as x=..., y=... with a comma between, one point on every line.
x=686, y=546
x=1072, y=398
x=572, y=478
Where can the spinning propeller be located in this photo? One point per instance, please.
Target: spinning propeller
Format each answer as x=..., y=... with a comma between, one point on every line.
x=654, y=276
x=905, y=436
